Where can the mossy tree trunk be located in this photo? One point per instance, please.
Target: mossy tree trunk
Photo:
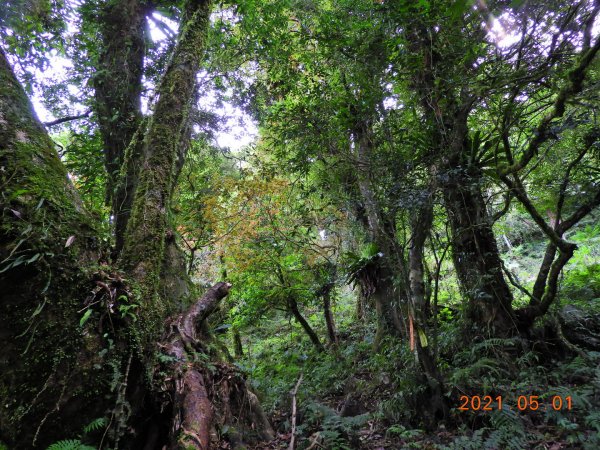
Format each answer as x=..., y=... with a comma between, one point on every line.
x=118, y=89
x=71, y=356
x=148, y=227
x=386, y=296
x=421, y=223
x=475, y=254
x=47, y=240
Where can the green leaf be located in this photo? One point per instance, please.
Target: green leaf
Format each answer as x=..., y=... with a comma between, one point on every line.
x=39, y=308
x=95, y=424
x=85, y=317
x=69, y=444
x=423, y=338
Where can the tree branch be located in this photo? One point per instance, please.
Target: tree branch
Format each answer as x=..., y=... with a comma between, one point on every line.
x=574, y=86
x=68, y=119
x=204, y=307
x=162, y=27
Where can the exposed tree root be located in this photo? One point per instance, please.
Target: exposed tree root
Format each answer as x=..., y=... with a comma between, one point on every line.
x=211, y=401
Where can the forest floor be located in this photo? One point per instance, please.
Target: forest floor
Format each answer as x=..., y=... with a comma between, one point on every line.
x=354, y=398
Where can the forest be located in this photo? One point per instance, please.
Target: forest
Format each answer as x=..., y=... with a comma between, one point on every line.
x=299, y=224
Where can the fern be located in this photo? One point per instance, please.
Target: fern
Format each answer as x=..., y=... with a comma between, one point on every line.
x=70, y=444
x=592, y=420
x=95, y=424
x=509, y=431
x=506, y=418
x=475, y=442
x=473, y=371
x=334, y=429
x=492, y=343
x=334, y=440
x=528, y=359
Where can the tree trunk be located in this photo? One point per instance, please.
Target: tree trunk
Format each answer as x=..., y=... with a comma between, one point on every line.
x=118, y=89
x=388, y=320
x=385, y=296
x=194, y=388
x=293, y=306
x=238, y=348
x=329, y=321
x=46, y=238
x=475, y=254
x=70, y=355
x=148, y=227
x=540, y=282
x=420, y=227
x=474, y=250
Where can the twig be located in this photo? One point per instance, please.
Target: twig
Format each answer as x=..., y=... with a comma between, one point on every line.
x=56, y=408
x=315, y=442
x=294, y=393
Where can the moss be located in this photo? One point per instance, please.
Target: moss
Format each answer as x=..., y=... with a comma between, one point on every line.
x=144, y=249
x=53, y=363
x=51, y=369
x=49, y=366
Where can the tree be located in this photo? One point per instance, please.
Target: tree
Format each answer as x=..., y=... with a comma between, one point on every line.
x=392, y=133
x=321, y=108
x=454, y=73
x=265, y=227
x=117, y=95
x=49, y=259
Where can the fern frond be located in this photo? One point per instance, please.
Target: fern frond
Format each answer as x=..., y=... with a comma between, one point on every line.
x=509, y=431
x=95, y=424
x=487, y=365
x=493, y=344
x=70, y=444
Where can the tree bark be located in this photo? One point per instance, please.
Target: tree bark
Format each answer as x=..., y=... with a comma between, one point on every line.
x=44, y=358
x=193, y=386
x=542, y=277
x=59, y=368
x=329, y=321
x=475, y=254
x=238, y=348
x=148, y=226
x=118, y=89
x=193, y=411
x=385, y=296
x=420, y=227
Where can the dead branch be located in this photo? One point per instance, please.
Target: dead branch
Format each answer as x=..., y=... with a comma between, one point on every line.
x=190, y=322
x=294, y=393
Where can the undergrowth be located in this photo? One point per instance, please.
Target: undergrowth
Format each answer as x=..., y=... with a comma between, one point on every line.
x=385, y=394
